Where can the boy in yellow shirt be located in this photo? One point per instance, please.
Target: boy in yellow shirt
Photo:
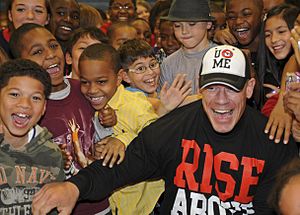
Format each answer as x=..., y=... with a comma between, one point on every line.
x=99, y=67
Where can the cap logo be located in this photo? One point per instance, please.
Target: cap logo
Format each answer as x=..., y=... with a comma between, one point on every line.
x=227, y=53
x=222, y=59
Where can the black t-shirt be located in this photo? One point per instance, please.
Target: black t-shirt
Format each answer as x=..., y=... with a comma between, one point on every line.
x=204, y=171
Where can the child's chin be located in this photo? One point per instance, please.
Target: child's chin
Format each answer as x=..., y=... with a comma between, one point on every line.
x=98, y=107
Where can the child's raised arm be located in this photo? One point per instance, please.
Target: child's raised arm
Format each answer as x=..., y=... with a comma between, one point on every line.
x=173, y=96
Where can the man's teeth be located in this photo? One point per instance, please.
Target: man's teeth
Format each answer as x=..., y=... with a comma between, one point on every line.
x=222, y=111
x=66, y=28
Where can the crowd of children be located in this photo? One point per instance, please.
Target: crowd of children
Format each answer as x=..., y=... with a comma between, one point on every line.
x=78, y=86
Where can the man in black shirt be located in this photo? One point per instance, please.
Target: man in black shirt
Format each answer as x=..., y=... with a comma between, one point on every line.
x=213, y=154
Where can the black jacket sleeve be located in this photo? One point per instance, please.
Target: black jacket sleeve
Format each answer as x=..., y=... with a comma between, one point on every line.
x=95, y=182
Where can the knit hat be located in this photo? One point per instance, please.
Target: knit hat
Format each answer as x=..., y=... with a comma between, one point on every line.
x=189, y=11
x=226, y=65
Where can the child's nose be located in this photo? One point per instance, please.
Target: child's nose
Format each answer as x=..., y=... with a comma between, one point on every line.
x=30, y=15
x=24, y=103
x=274, y=38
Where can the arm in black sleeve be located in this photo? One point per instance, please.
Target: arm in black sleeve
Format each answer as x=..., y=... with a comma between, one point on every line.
x=95, y=182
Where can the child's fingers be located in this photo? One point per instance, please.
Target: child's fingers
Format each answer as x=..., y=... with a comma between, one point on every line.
x=121, y=156
x=187, y=86
x=269, y=124
x=108, y=156
x=113, y=158
x=164, y=88
x=179, y=81
x=287, y=133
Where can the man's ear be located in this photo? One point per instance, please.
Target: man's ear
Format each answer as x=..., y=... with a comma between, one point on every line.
x=125, y=76
x=68, y=58
x=250, y=87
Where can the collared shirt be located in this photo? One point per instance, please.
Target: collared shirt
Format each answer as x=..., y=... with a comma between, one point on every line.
x=134, y=112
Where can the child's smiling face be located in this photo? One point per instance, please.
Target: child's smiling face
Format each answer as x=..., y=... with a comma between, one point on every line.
x=22, y=104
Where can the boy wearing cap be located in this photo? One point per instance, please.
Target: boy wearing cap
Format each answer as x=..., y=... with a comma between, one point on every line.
x=212, y=154
x=191, y=22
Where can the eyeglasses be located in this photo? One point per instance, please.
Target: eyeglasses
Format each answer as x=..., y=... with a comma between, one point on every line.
x=120, y=7
x=142, y=69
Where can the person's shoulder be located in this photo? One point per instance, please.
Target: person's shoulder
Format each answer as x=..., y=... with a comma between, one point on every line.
x=130, y=97
x=172, y=57
x=187, y=112
x=256, y=115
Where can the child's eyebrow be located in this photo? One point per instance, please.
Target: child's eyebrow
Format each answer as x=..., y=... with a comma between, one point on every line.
x=40, y=6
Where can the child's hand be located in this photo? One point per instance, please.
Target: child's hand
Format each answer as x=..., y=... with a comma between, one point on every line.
x=110, y=149
x=178, y=91
x=66, y=156
x=107, y=117
x=225, y=37
x=295, y=40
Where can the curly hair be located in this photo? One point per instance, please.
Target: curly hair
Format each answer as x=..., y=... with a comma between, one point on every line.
x=23, y=67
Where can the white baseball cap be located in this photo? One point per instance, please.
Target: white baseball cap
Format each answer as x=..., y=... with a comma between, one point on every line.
x=226, y=65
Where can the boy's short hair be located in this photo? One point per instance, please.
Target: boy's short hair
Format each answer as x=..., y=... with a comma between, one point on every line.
x=131, y=50
x=16, y=40
x=114, y=26
x=92, y=32
x=102, y=52
x=24, y=67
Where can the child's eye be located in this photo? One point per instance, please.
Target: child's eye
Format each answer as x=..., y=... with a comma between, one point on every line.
x=101, y=82
x=36, y=98
x=83, y=82
x=14, y=95
x=192, y=23
x=282, y=31
x=61, y=13
x=176, y=25
x=20, y=9
x=247, y=13
x=231, y=17
x=53, y=45
x=75, y=16
x=39, y=11
x=154, y=65
x=37, y=52
x=267, y=35
x=140, y=69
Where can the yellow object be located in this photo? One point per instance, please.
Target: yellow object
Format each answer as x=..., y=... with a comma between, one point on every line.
x=134, y=112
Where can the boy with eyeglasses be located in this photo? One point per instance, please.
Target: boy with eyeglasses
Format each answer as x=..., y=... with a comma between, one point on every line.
x=99, y=69
x=141, y=71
